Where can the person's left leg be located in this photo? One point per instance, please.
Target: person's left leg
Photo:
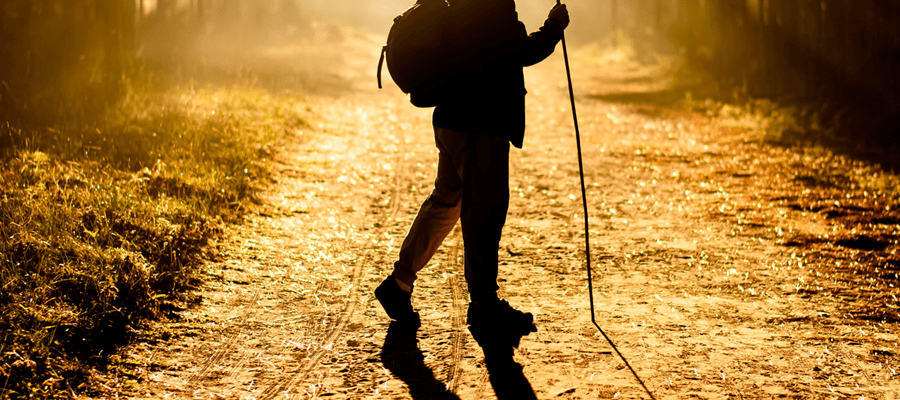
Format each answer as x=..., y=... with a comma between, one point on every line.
x=439, y=212
x=485, y=201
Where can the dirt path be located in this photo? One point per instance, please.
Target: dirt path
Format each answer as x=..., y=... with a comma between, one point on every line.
x=724, y=266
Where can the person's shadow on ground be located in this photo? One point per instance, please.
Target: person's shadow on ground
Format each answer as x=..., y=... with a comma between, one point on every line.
x=401, y=355
x=504, y=372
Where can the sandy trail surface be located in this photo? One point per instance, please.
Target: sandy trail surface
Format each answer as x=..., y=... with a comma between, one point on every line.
x=725, y=265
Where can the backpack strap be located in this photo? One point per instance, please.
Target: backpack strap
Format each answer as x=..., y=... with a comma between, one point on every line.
x=380, y=62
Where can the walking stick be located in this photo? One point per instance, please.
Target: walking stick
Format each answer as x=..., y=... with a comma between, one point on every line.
x=587, y=241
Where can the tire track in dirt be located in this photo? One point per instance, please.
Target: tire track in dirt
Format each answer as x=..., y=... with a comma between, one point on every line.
x=841, y=349
x=331, y=335
x=454, y=370
x=483, y=378
x=231, y=343
x=731, y=389
x=807, y=365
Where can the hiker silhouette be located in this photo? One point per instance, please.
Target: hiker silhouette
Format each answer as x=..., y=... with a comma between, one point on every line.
x=479, y=113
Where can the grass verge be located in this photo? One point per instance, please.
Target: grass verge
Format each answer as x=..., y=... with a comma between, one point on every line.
x=102, y=226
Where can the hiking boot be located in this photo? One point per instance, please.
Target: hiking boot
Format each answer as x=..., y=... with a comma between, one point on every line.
x=396, y=302
x=500, y=316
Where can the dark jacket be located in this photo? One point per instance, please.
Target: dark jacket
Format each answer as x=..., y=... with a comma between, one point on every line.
x=487, y=94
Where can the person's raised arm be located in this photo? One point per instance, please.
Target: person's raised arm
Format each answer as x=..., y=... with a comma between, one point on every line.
x=542, y=42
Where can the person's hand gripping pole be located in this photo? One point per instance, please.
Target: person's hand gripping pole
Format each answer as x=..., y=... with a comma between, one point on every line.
x=561, y=15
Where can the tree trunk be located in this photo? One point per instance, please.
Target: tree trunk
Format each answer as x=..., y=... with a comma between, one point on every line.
x=693, y=22
x=614, y=22
x=658, y=17
x=763, y=72
x=113, y=54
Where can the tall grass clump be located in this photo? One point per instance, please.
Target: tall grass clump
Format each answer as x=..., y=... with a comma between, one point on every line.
x=101, y=225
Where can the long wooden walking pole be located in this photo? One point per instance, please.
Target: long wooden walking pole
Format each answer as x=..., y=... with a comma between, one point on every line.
x=587, y=240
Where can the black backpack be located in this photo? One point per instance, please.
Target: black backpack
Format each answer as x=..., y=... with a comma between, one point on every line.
x=418, y=51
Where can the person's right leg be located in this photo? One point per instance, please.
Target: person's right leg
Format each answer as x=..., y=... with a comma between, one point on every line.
x=434, y=221
x=439, y=212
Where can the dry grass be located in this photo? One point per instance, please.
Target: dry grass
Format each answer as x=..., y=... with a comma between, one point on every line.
x=101, y=226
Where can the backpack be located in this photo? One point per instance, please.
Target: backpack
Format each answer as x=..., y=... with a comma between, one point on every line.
x=418, y=51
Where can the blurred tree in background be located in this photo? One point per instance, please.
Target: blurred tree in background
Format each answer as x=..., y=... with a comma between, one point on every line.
x=63, y=60
x=836, y=59
x=67, y=61
x=840, y=55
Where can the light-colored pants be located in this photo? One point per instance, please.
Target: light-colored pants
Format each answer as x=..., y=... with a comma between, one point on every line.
x=472, y=184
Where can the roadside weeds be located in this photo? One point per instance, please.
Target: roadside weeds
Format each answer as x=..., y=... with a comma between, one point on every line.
x=103, y=227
